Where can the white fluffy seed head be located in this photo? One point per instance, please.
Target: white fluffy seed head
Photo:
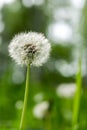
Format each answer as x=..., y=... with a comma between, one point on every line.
x=30, y=48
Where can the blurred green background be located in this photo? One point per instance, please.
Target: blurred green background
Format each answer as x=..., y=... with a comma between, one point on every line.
x=52, y=86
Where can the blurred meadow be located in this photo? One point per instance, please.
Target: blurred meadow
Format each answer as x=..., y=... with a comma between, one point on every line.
x=52, y=86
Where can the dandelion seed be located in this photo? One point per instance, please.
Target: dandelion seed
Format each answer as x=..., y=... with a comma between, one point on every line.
x=30, y=48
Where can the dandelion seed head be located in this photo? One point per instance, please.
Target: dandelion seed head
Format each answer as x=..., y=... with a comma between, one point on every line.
x=30, y=48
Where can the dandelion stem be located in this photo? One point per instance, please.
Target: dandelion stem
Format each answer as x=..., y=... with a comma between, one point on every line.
x=77, y=95
x=22, y=123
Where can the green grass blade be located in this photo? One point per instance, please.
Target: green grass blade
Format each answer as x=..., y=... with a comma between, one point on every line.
x=76, y=104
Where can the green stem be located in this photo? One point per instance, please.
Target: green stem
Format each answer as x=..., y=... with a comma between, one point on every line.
x=22, y=123
x=77, y=95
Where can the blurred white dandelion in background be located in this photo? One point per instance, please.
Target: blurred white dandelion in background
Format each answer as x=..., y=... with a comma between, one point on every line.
x=62, y=66
x=59, y=31
x=38, y=97
x=40, y=109
x=3, y=2
x=66, y=90
x=38, y=2
x=78, y=4
x=19, y=104
x=30, y=3
x=27, y=3
x=18, y=75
